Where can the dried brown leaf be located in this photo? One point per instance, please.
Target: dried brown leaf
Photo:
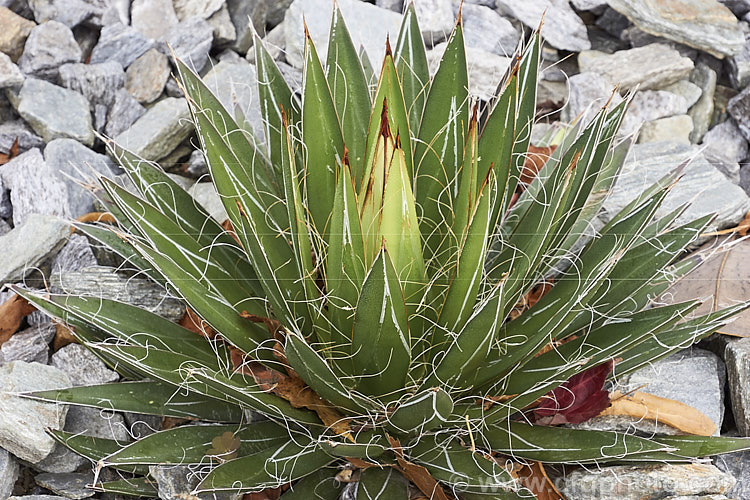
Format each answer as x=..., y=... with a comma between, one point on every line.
x=12, y=153
x=12, y=312
x=191, y=321
x=642, y=405
x=418, y=475
x=63, y=336
x=534, y=477
x=535, y=159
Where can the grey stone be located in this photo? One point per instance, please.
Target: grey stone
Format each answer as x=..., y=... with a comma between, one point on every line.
x=90, y=422
x=30, y=345
x=70, y=485
x=17, y=129
x=123, y=113
x=242, y=13
x=177, y=482
x=738, y=465
x=146, y=77
x=694, y=377
x=49, y=45
x=705, y=187
x=186, y=9
x=292, y=75
x=486, y=70
x=68, y=12
x=221, y=22
x=10, y=75
x=205, y=194
x=140, y=425
x=153, y=18
x=37, y=497
x=613, y=22
x=117, y=11
x=277, y=12
x=14, y=30
x=4, y=226
x=704, y=24
x=77, y=254
x=159, y=131
x=397, y=5
x=703, y=109
x=737, y=358
x=674, y=128
x=54, y=112
x=368, y=24
x=562, y=28
x=106, y=283
x=98, y=83
x=6, y=208
x=235, y=84
x=75, y=164
x=687, y=89
x=650, y=67
x=639, y=482
x=739, y=65
x=435, y=19
x=34, y=187
x=197, y=164
x=725, y=140
x=738, y=7
x=739, y=109
x=589, y=4
x=23, y=421
x=82, y=366
x=120, y=43
x=190, y=40
x=636, y=37
x=587, y=93
x=649, y=105
x=29, y=245
x=485, y=29
x=8, y=473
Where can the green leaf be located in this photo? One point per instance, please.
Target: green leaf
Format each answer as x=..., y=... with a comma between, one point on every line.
x=349, y=87
x=422, y=412
x=320, y=485
x=262, y=237
x=558, y=445
x=301, y=243
x=127, y=323
x=322, y=139
x=449, y=462
x=412, y=68
x=94, y=448
x=388, y=103
x=471, y=254
x=345, y=269
x=134, y=487
x=193, y=444
x=267, y=469
x=314, y=370
x=265, y=176
x=149, y=397
x=399, y=231
x=274, y=95
x=367, y=445
x=381, y=346
x=384, y=483
x=439, y=150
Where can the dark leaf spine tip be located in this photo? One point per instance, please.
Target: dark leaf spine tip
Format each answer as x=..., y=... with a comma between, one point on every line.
x=388, y=50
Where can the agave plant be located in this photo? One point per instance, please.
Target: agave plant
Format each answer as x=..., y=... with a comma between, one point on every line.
x=364, y=300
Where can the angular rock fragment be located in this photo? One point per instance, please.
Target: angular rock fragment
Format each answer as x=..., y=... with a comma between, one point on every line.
x=49, y=45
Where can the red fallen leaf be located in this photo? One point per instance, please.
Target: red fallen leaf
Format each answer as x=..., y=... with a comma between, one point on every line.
x=191, y=321
x=578, y=399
